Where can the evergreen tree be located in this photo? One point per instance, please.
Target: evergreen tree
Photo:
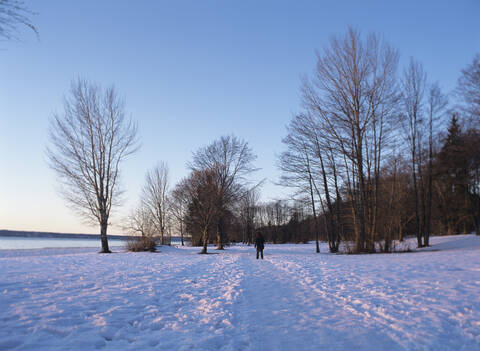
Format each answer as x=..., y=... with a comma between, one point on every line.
x=452, y=180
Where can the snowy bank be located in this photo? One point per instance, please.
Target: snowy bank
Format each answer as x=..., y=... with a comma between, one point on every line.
x=295, y=299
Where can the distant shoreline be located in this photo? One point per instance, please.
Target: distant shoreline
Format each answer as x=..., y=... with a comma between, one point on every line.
x=28, y=234
x=19, y=233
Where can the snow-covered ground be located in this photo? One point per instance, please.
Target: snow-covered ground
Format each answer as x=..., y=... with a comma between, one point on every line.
x=76, y=299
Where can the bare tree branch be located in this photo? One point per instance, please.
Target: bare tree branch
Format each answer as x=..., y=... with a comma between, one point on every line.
x=88, y=143
x=14, y=13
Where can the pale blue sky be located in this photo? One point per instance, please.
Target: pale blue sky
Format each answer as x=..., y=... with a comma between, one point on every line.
x=191, y=71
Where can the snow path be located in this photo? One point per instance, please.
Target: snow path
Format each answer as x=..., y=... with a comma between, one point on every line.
x=293, y=300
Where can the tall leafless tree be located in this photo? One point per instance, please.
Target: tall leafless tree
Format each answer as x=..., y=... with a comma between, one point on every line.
x=155, y=197
x=231, y=160
x=414, y=86
x=88, y=143
x=436, y=106
x=353, y=95
x=202, y=190
x=178, y=205
x=14, y=13
x=468, y=90
x=298, y=167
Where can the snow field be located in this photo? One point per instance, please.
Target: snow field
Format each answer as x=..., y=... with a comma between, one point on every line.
x=293, y=300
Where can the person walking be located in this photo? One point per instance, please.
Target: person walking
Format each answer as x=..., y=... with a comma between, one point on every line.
x=259, y=244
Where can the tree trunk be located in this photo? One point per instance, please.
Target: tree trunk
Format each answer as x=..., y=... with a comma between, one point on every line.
x=317, y=245
x=310, y=182
x=205, y=241
x=476, y=223
x=476, y=215
x=331, y=233
x=337, y=219
x=361, y=241
x=428, y=217
x=249, y=233
x=219, y=236
x=422, y=202
x=103, y=236
x=428, y=224
x=181, y=233
x=415, y=194
x=450, y=226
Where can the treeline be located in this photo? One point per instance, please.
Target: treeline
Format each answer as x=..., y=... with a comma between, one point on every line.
x=216, y=203
x=371, y=153
x=454, y=204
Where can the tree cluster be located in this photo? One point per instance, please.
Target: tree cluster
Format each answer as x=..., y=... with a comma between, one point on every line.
x=213, y=195
x=367, y=149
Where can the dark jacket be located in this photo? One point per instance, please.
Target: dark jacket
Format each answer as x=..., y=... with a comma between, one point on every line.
x=260, y=242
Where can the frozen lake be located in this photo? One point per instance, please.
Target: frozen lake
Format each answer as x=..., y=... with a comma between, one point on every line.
x=18, y=242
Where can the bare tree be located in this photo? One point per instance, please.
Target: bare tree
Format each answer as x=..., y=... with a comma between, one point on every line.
x=352, y=96
x=178, y=205
x=414, y=84
x=88, y=143
x=140, y=221
x=14, y=13
x=468, y=90
x=155, y=197
x=248, y=211
x=298, y=166
x=436, y=105
x=231, y=160
x=202, y=190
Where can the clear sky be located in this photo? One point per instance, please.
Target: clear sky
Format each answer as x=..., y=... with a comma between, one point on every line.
x=191, y=71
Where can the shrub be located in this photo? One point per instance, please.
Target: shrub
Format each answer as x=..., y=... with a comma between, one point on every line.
x=141, y=243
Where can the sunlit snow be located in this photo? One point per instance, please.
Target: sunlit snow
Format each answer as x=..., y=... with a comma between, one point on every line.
x=76, y=299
